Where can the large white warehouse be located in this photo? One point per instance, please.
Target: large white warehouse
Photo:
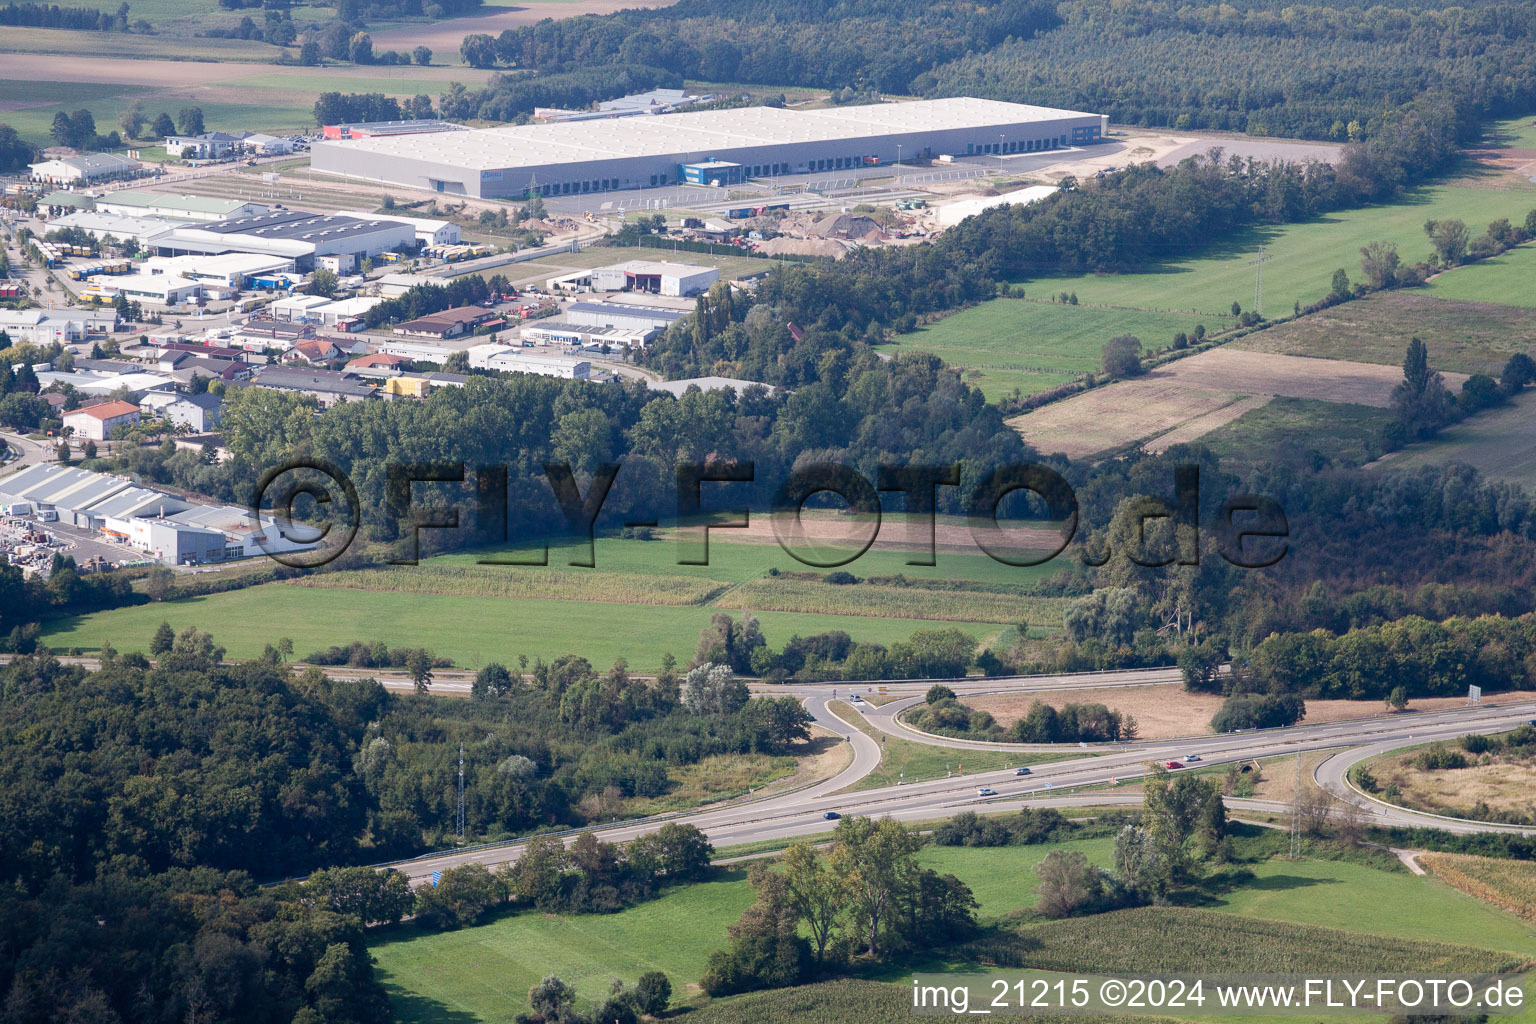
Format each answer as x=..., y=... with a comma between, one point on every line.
x=711, y=146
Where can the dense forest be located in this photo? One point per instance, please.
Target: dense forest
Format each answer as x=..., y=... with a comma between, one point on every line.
x=1265, y=67
x=193, y=763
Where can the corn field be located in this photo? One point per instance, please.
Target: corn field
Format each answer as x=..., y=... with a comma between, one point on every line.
x=1510, y=884
x=510, y=581
x=1174, y=940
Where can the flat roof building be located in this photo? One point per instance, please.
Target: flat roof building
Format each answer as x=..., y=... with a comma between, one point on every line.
x=386, y=129
x=612, y=314
x=65, y=170
x=134, y=203
x=294, y=234
x=637, y=152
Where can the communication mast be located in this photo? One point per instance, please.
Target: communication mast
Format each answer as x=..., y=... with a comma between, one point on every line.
x=461, y=792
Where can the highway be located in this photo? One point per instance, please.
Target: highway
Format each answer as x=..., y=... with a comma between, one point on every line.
x=801, y=812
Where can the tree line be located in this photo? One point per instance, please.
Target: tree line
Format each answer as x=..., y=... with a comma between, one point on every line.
x=90, y=19
x=943, y=713
x=862, y=43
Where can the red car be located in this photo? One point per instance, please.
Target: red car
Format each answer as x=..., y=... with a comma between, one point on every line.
x=1174, y=764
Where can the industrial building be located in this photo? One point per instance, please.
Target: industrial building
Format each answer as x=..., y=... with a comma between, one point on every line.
x=167, y=528
x=293, y=234
x=428, y=232
x=656, y=276
x=638, y=152
x=627, y=317
x=558, y=332
x=386, y=129
x=97, y=422
x=176, y=207
x=516, y=359
x=99, y=224
x=66, y=326
x=76, y=170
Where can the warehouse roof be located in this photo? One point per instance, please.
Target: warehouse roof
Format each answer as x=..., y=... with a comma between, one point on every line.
x=296, y=225
x=612, y=309
x=167, y=201
x=698, y=132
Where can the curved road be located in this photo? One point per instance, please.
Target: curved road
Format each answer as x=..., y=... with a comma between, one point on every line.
x=802, y=812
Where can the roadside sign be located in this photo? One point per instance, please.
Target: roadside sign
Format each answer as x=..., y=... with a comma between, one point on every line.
x=1474, y=694
x=437, y=876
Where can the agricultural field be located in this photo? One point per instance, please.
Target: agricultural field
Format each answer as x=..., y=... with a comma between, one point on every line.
x=1340, y=432
x=234, y=92
x=1181, y=401
x=1504, y=279
x=1504, y=883
x=1371, y=918
x=1302, y=257
x=1463, y=336
x=638, y=599
x=470, y=630
x=1032, y=345
x=1165, y=940
x=1485, y=441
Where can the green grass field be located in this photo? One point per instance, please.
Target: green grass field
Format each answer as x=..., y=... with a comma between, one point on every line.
x=1036, y=345
x=484, y=973
x=637, y=604
x=1504, y=279
x=1463, y=337
x=1347, y=434
x=470, y=630
x=1494, y=441
x=1302, y=257
x=909, y=761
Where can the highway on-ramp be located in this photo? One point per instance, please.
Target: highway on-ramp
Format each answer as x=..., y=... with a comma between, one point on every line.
x=803, y=812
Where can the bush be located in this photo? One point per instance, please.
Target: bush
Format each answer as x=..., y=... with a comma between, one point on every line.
x=840, y=578
x=1440, y=757
x=1258, y=711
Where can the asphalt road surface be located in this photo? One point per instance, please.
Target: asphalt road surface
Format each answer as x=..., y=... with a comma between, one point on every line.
x=803, y=812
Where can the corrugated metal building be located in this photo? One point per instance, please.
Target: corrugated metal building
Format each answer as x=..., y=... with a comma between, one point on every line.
x=639, y=152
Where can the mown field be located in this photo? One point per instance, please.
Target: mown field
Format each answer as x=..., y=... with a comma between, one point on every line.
x=470, y=630
x=1302, y=257
x=1311, y=915
x=1463, y=336
x=1345, y=433
x=638, y=603
x=1034, y=345
x=1495, y=442
x=1503, y=279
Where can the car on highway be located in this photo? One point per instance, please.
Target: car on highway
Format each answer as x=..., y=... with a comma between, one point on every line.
x=985, y=791
x=831, y=815
x=1191, y=758
x=1174, y=764
x=1022, y=771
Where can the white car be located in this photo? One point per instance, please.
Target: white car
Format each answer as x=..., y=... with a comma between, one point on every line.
x=1192, y=758
x=986, y=791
